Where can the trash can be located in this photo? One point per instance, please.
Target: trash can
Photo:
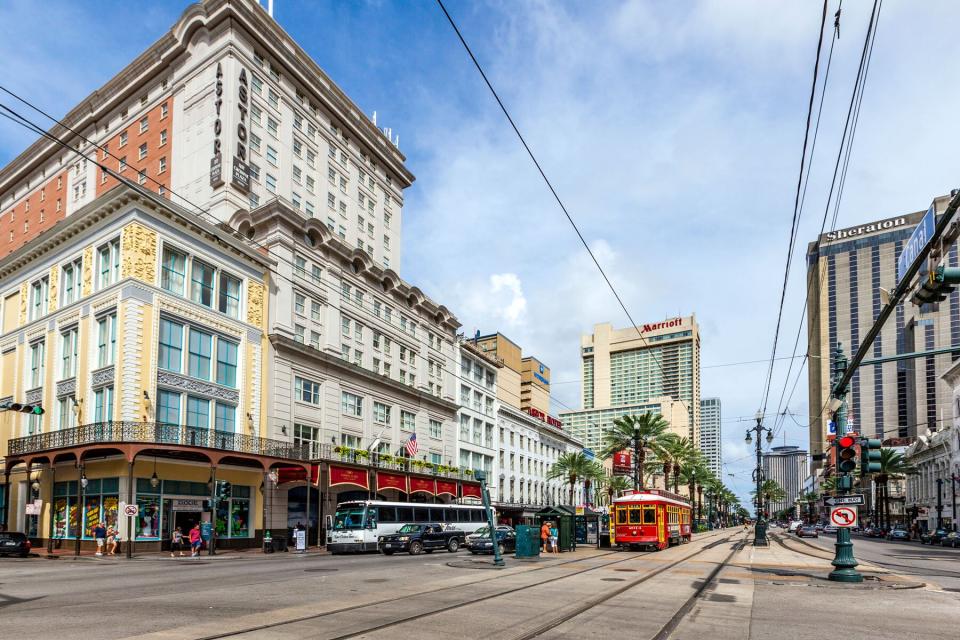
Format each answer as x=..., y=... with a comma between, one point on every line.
x=267, y=543
x=528, y=542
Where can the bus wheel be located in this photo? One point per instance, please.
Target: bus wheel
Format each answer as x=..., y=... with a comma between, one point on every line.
x=416, y=548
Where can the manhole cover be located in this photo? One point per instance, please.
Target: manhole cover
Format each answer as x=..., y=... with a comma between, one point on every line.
x=614, y=579
x=377, y=580
x=318, y=570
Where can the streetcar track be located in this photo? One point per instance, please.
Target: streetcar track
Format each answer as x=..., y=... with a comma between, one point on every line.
x=432, y=612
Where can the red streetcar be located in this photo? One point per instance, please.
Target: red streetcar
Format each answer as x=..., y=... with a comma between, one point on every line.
x=651, y=518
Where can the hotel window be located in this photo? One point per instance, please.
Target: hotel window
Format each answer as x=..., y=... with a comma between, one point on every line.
x=144, y=124
x=202, y=282
x=170, y=355
x=300, y=304
x=300, y=266
x=297, y=147
x=297, y=120
x=200, y=350
x=254, y=200
x=256, y=82
x=227, y=363
x=311, y=158
x=229, y=302
x=271, y=184
x=342, y=232
x=39, y=298
x=68, y=353
x=357, y=330
x=272, y=126
x=381, y=413
x=103, y=405
x=376, y=308
x=343, y=209
x=225, y=418
x=163, y=137
x=108, y=263
x=273, y=98
x=358, y=357
x=297, y=202
x=408, y=421
x=198, y=413
x=142, y=151
x=315, y=340
x=274, y=73
x=255, y=113
x=164, y=110
x=106, y=340
x=351, y=404
x=297, y=174
x=123, y=139
x=332, y=176
x=271, y=155
x=345, y=327
x=331, y=201
x=306, y=436
x=255, y=142
x=306, y=390
x=37, y=352
x=311, y=184
x=315, y=311
x=360, y=223
x=162, y=165
x=309, y=208
x=141, y=177
x=299, y=333
x=68, y=419
x=168, y=407
x=70, y=281
x=254, y=171
x=343, y=184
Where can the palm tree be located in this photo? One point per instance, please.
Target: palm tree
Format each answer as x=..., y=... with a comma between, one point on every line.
x=676, y=452
x=573, y=466
x=770, y=491
x=644, y=434
x=614, y=485
x=893, y=466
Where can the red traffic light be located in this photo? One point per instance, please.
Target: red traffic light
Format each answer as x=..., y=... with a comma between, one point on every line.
x=846, y=441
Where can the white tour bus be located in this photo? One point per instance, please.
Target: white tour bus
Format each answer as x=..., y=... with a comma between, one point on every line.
x=357, y=525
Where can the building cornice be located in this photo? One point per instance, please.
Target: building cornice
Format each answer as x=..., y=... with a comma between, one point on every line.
x=535, y=423
x=341, y=367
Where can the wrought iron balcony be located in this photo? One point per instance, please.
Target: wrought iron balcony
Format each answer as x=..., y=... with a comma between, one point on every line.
x=338, y=453
x=156, y=433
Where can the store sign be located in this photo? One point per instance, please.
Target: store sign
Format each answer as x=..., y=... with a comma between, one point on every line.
x=423, y=485
x=291, y=474
x=622, y=462
x=852, y=232
x=35, y=508
x=391, y=481
x=666, y=324
x=448, y=487
x=470, y=490
x=216, y=163
x=240, y=175
x=187, y=504
x=347, y=475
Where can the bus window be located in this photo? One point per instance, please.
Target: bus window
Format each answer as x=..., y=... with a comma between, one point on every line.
x=348, y=517
x=478, y=515
x=421, y=514
x=436, y=514
x=649, y=515
x=634, y=515
x=388, y=514
x=621, y=515
x=404, y=514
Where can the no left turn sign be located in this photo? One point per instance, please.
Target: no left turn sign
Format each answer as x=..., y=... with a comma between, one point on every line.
x=843, y=517
x=131, y=510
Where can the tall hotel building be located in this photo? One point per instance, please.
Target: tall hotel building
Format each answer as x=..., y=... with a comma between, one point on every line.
x=229, y=311
x=711, y=441
x=787, y=466
x=625, y=373
x=846, y=271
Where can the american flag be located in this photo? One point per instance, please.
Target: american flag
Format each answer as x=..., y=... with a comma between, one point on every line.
x=411, y=445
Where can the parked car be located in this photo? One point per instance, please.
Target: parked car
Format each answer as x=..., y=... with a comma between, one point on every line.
x=479, y=541
x=422, y=538
x=819, y=526
x=795, y=525
x=808, y=531
x=952, y=539
x=830, y=528
x=898, y=534
x=933, y=537
x=874, y=532
x=14, y=543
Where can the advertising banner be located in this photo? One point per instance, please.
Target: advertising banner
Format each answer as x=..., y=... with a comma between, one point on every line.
x=448, y=487
x=470, y=490
x=396, y=481
x=423, y=485
x=348, y=475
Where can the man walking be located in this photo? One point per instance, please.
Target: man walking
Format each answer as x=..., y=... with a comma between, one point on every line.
x=100, y=535
x=195, y=541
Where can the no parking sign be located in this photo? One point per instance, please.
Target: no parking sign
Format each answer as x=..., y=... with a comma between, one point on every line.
x=131, y=510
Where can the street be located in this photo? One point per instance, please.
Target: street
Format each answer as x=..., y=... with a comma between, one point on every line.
x=707, y=586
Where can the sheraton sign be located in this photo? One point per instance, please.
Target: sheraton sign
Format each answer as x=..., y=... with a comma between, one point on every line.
x=853, y=232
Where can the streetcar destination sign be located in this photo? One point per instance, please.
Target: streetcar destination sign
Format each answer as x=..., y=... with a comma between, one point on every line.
x=836, y=501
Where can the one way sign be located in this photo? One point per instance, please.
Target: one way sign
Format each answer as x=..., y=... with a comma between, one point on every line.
x=834, y=501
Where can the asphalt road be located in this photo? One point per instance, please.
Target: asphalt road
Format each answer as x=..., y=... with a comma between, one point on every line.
x=937, y=566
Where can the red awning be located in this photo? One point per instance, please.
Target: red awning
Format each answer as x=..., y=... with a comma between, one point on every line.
x=423, y=485
x=396, y=481
x=448, y=487
x=349, y=475
x=470, y=490
x=315, y=475
x=291, y=474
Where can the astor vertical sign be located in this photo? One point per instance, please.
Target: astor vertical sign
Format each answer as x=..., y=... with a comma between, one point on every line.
x=216, y=162
x=241, y=170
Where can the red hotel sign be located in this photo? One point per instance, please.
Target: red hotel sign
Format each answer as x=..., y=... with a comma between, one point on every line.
x=422, y=485
x=470, y=490
x=346, y=475
x=622, y=462
x=391, y=481
x=675, y=322
x=448, y=487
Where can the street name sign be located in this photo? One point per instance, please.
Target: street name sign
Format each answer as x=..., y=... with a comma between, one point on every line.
x=131, y=510
x=836, y=501
x=843, y=517
x=919, y=239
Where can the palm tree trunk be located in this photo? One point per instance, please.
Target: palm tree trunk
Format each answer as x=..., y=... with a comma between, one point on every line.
x=676, y=479
x=641, y=459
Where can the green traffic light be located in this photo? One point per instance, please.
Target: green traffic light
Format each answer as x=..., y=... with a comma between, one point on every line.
x=36, y=410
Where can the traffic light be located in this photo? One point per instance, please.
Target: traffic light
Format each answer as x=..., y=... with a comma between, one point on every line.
x=846, y=454
x=226, y=490
x=32, y=409
x=937, y=285
x=870, y=455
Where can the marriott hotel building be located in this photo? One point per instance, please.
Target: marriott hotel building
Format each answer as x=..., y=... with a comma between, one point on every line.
x=846, y=269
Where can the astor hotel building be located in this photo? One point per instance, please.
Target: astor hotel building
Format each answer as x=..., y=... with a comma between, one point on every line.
x=846, y=273
x=200, y=286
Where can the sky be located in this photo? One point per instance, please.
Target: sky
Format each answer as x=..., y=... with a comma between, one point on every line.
x=671, y=131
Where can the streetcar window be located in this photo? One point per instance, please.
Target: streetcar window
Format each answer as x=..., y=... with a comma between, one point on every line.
x=634, y=515
x=621, y=515
x=421, y=514
x=404, y=514
x=649, y=515
x=388, y=514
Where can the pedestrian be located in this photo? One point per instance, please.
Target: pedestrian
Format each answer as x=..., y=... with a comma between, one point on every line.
x=111, y=541
x=176, y=542
x=195, y=541
x=118, y=542
x=100, y=535
x=545, y=536
x=554, y=534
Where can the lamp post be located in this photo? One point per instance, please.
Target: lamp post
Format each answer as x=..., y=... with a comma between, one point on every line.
x=939, y=503
x=760, y=529
x=954, y=479
x=636, y=458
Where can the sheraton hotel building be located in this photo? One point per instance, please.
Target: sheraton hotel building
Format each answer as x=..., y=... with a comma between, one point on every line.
x=894, y=401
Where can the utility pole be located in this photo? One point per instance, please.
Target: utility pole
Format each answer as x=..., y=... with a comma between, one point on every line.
x=843, y=561
x=636, y=459
x=760, y=529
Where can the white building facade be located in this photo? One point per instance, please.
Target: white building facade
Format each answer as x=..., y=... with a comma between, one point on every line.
x=477, y=415
x=711, y=443
x=787, y=466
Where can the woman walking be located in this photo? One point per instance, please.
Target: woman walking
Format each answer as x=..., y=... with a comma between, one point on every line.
x=176, y=542
x=554, y=534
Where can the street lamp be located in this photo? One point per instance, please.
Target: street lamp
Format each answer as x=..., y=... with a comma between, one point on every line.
x=760, y=529
x=636, y=458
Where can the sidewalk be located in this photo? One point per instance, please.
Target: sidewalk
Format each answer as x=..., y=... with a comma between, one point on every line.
x=69, y=554
x=782, y=591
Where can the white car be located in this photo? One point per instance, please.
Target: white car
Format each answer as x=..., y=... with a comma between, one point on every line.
x=796, y=524
x=830, y=529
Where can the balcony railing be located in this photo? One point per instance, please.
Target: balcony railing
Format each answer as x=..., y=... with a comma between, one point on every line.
x=156, y=433
x=338, y=453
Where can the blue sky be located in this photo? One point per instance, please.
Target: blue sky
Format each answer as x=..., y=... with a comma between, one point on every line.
x=671, y=130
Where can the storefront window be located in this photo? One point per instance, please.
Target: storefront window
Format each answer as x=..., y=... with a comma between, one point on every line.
x=148, y=522
x=91, y=515
x=60, y=517
x=240, y=518
x=223, y=509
